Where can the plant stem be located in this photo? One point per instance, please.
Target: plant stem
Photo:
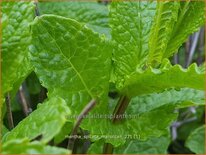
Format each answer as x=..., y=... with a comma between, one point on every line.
x=108, y=148
x=200, y=50
x=81, y=116
x=42, y=94
x=177, y=124
x=193, y=47
x=36, y=8
x=118, y=112
x=9, y=112
x=120, y=108
x=26, y=108
x=176, y=58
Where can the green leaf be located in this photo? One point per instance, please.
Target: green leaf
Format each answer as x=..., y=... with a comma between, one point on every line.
x=73, y=62
x=179, y=98
x=196, y=140
x=191, y=17
x=165, y=18
x=70, y=60
x=45, y=122
x=131, y=23
x=166, y=76
x=93, y=14
x=16, y=38
x=154, y=145
x=23, y=146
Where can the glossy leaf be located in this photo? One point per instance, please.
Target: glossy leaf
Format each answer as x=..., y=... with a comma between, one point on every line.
x=196, y=140
x=80, y=57
x=16, y=38
x=93, y=14
x=23, y=146
x=131, y=23
x=45, y=122
x=167, y=76
x=73, y=59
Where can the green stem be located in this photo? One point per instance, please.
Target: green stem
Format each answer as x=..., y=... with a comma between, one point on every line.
x=9, y=112
x=120, y=108
x=108, y=148
x=81, y=116
x=118, y=112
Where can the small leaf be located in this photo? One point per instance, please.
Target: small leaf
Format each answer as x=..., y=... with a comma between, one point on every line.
x=45, y=122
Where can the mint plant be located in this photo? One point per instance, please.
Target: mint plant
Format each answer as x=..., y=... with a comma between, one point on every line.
x=84, y=53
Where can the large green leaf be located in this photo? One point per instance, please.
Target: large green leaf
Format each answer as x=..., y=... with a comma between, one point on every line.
x=70, y=60
x=154, y=145
x=166, y=16
x=131, y=23
x=191, y=17
x=196, y=140
x=23, y=146
x=93, y=14
x=16, y=17
x=166, y=76
x=45, y=122
x=180, y=98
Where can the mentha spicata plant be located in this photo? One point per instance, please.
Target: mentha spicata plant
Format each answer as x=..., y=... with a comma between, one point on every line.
x=111, y=85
